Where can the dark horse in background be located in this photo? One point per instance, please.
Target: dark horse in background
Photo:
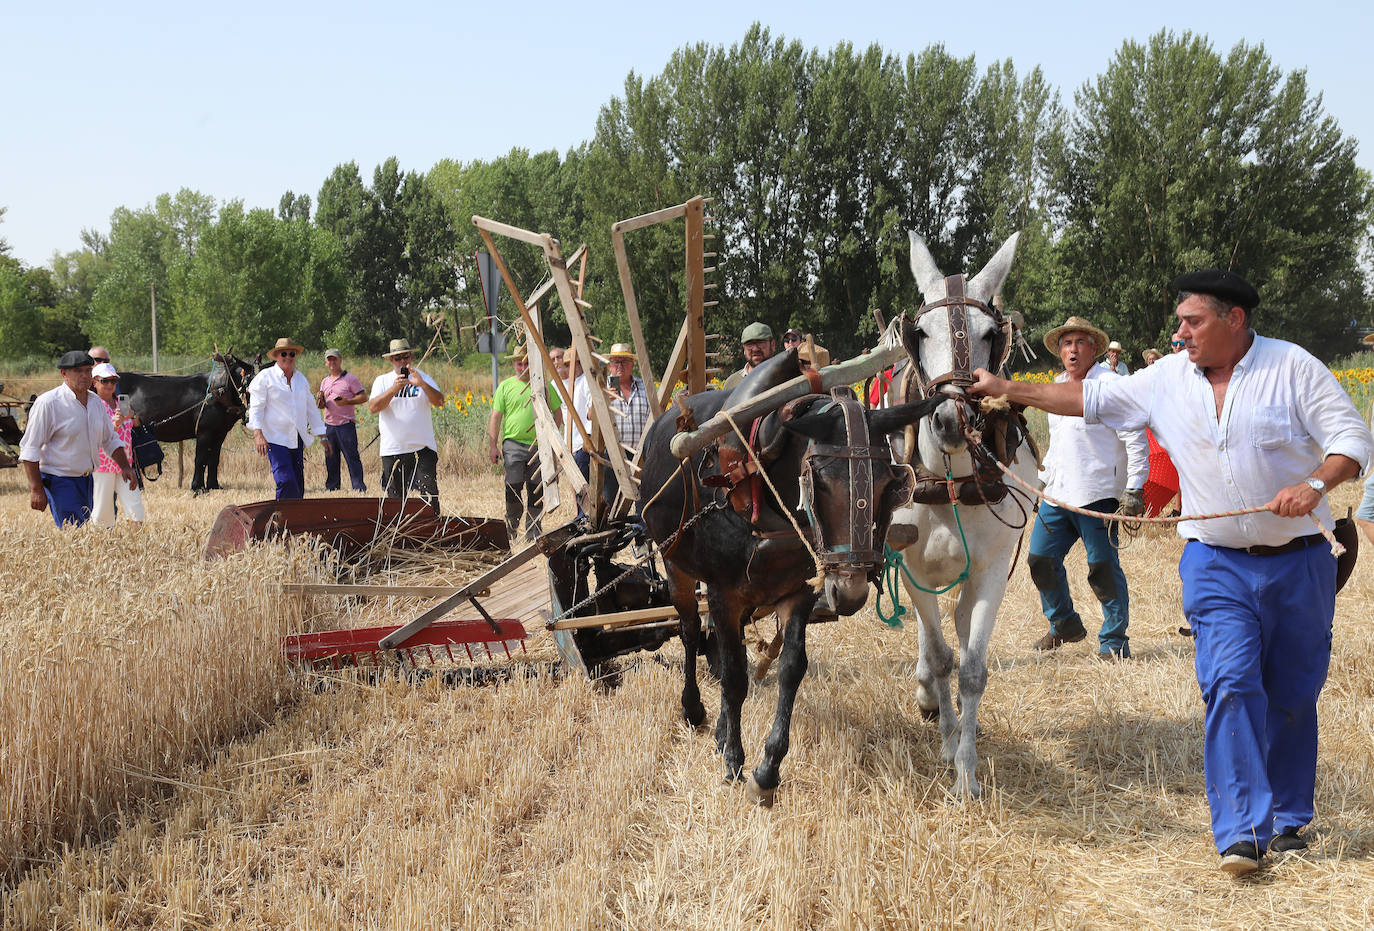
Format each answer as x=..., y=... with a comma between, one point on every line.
x=825, y=455
x=203, y=407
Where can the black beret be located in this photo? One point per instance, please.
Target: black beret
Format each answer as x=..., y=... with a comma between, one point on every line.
x=75, y=359
x=1221, y=284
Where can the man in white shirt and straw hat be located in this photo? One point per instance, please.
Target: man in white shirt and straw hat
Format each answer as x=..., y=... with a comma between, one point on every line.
x=284, y=419
x=1087, y=466
x=403, y=400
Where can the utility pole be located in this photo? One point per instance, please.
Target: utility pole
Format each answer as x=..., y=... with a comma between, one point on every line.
x=152, y=298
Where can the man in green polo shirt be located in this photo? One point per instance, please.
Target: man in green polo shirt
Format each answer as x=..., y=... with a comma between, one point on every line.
x=512, y=442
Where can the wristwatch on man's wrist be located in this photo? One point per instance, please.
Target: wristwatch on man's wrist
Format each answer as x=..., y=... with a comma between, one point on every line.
x=1317, y=485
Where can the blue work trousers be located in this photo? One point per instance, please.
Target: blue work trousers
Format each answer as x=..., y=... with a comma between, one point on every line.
x=1055, y=532
x=343, y=440
x=288, y=470
x=1263, y=626
x=70, y=497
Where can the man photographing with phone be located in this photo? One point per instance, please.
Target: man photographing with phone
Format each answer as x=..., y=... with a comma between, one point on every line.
x=402, y=399
x=339, y=396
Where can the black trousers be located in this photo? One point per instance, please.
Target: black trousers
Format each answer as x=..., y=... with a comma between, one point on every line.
x=412, y=473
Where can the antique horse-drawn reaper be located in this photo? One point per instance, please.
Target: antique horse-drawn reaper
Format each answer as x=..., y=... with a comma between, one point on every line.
x=956, y=454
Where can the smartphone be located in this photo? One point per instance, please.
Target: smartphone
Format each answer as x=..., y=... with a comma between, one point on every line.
x=124, y=407
x=404, y=372
x=615, y=382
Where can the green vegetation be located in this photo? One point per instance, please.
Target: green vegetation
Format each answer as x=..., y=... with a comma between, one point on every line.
x=1176, y=157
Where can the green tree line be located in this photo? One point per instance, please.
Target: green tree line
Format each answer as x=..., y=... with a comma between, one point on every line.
x=1176, y=157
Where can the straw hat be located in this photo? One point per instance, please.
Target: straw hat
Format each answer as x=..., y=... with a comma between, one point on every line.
x=621, y=351
x=822, y=355
x=1368, y=340
x=1114, y=346
x=519, y=354
x=282, y=345
x=1082, y=326
x=399, y=347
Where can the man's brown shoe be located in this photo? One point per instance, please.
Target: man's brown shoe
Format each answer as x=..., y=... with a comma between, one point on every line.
x=1052, y=641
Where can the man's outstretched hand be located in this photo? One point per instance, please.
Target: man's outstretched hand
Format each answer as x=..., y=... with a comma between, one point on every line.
x=986, y=384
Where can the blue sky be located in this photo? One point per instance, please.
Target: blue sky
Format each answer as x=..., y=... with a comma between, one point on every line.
x=111, y=105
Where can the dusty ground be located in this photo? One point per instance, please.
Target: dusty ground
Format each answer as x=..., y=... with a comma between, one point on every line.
x=546, y=802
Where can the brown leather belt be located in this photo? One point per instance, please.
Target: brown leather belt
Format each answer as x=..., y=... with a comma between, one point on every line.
x=1292, y=546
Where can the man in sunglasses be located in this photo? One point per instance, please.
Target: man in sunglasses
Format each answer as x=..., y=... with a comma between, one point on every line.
x=403, y=399
x=284, y=419
x=67, y=430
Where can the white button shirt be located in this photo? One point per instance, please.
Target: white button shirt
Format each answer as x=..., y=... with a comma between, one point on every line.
x=64, y=436
x=1087, y=462
x=283, y=411
x=1284, y=413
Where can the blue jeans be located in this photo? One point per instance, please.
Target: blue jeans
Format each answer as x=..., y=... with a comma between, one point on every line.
x=70, y=497
x=288, y=470
x=344, y=440
x=1263, y=626
x=1055, y=532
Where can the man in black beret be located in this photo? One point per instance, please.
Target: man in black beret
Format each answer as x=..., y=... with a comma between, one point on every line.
x=67, y=428
x=1250, y=422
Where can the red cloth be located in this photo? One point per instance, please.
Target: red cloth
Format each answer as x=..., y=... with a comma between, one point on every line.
x=879, y=387
x=1162, y=483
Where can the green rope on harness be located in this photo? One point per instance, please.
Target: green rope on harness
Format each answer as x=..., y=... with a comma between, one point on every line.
x=894, y=566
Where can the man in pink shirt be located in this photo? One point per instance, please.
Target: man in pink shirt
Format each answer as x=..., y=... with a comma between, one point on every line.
x=339, y=396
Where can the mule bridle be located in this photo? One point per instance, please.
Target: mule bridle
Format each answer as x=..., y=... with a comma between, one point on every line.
x=960, y=374
x=858, y=552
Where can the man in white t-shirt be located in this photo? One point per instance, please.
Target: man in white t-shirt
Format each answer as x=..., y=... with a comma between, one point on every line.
x=402, y=399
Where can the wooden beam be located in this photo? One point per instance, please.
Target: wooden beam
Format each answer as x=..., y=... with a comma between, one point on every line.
x=674, y=368
x=371, y=591
x=646, y=369
x=511, y=232
x=648, y=219
x=600, y=410
x=620, y=618
x=696, y=296
x=481, y=583
x=845, y=373
x=531, y=326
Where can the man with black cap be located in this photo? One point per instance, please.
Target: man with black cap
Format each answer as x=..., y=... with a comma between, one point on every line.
x=67, y=429
x=1249, y=421
x=757, y=343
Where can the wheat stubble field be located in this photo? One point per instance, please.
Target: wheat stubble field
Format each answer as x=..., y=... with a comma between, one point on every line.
x=159, y=768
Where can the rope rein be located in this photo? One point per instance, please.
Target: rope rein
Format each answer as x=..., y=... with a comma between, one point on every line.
x=1336, y=548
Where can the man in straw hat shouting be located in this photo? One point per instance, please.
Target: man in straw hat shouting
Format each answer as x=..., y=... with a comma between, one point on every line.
x=403, y=400
x=284, y=419
x=1087, y=466
x=512, y=443
x=1249, y=422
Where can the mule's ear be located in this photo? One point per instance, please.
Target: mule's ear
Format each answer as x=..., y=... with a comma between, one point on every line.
x=989, y=281
x=923, y=268
x=813, y=426
x=895, y=418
